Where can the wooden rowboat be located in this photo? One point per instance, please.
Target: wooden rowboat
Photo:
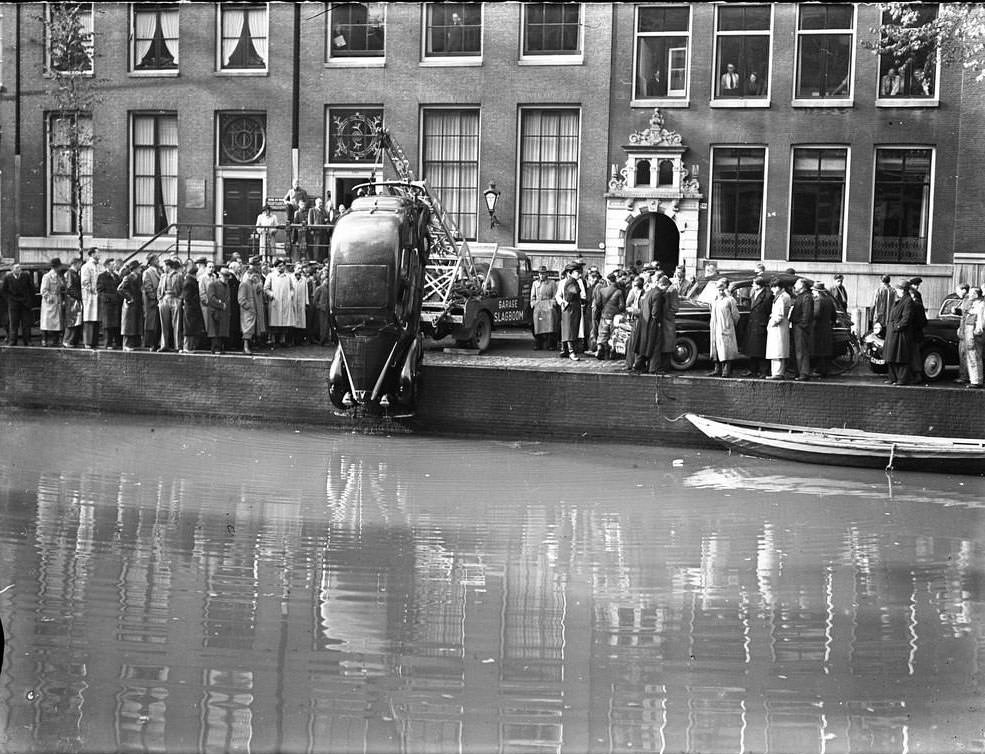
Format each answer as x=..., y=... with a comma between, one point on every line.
x=845, y=447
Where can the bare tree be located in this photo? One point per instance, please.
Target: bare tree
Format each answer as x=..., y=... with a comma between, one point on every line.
x=72, y=95
x=915, y=36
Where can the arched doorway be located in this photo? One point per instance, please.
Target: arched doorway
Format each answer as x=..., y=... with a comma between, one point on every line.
x=654, y=237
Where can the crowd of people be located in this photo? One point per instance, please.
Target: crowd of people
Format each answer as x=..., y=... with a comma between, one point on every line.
x=786, y=331
x=172, y=305
x=307, y=223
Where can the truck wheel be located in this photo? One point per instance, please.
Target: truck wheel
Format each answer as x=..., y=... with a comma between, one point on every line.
x=482, y=333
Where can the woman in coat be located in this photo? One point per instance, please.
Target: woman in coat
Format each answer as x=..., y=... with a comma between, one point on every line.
x=252, y=314
x=571, y=305
x=898, y=348
x=760, y=308
x=191, y=307
x=131, y=319
x=217, y=305
x=52, y=293
x=723, y=344
x=778, y=331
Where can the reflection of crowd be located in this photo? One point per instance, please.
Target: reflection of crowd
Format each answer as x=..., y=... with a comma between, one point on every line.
x=174, y=305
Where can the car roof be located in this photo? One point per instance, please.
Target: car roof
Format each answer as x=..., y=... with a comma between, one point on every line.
x=745, y=277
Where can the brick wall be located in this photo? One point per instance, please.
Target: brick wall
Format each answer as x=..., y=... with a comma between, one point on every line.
x=481, y=402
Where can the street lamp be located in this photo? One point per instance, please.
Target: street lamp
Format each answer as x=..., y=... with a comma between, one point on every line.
x=491, y=195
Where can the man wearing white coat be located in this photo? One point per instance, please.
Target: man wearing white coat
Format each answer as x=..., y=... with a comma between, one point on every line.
x=301, y=301
x=778, y=331
x=52, y=288
x=90, y=299
x=281, y=287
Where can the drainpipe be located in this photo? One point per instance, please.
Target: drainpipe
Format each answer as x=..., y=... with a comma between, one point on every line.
x=296, y=93
x=17, y=132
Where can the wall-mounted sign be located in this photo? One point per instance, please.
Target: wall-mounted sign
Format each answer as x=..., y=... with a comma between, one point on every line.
x=195, y=193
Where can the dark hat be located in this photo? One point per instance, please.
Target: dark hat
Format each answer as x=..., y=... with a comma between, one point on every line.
x=775, y=283
x=254, y=260
x=279, y=263
x=819, y=286
x=543, y=268
x=885, y=279
x=611, y=277
x=169, y=262
x=201, y=260
x=572, y=266
x=663, y=281
x=839, y=276
x=151, y=258
x=904, y=284
x=916, y=281
x=56, y=263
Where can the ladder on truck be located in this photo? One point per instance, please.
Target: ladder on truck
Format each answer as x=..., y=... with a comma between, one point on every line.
x=450, y=276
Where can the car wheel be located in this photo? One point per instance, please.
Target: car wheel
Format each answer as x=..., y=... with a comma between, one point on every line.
x=933, y=364
x=482, y=334
x=685, y=354
x=878, y=368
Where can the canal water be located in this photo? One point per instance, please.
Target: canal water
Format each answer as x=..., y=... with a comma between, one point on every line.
x=187, y=587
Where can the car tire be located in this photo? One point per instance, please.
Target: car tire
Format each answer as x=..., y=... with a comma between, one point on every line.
x=482, y=332
x=684, y=355
x=878, y=368
x=933, y=364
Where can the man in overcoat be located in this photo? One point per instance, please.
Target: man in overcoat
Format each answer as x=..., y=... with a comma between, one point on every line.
x=217, y=325
x=916, y=329
x=760, y=308
x=668, y=330
x=801, y=324
x=881, y=304
x=131, y=317
x=542, y=293
x=252, y=313
x=110, y=303
x=89, y=281
x=73, y=304
x=825, y=319
x=609, y=301
x=571, y=296
x=169, y=305
x=52, y=293
x=191, y=309
x=651, y=330
x=839, y=293
x=151, y=306
x=898, y=347
x=724, y=318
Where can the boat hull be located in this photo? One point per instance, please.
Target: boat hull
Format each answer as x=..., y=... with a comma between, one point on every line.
x=846, y=447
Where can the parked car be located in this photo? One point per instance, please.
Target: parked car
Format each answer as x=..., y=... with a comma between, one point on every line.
x=939, y=347
x=36, y=270
x=693, y=319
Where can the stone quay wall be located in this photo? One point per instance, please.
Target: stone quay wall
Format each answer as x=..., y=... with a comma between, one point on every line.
x=495, y=402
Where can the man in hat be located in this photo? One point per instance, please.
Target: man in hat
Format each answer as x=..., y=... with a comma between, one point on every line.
x=897, y=350
x=217, y=304
x=542, y=292
x=591, y=284
x=252, y=306
x=299, y=303
x=724, y=320
x=668, y=331
x=963, y=293
x=204, y=275
x=73, y=304
x=52, y=291
x=609, y=300
x=647, y=345
x=236, y=264
x=110, y=304
x=916, y=329
x=130, y=289
x=881, y=304
x=760, y=309
x=89, y=281
x=825, y=319
x=150, y=283
x=281, y=289
x=839, y=294
x=193, y=326
x=570, y=297
x=169, y=305
x=801, y=324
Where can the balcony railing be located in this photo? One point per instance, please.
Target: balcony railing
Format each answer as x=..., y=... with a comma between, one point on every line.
x=905, y=250
x=815, y=248
x=736, y=246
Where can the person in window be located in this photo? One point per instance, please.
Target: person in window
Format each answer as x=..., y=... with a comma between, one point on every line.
x=754, y=85
x=455, y=36
x=338, y=39
x=730, y=81
x=655, y=86
x=891, y=84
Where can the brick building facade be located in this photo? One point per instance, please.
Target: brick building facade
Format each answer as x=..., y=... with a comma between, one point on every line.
x=829, y=158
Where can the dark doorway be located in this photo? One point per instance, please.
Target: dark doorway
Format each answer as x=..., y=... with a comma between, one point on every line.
x=343, y=189
x=242, y=199
x=654, y=237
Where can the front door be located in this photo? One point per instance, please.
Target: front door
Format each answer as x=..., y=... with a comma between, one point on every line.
x=342, y=191
x=654, y=237
x=242, y=199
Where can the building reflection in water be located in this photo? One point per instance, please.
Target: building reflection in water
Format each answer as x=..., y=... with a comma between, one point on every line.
x=366, y=606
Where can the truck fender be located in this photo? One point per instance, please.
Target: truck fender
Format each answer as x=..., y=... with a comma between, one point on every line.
x=338, y=380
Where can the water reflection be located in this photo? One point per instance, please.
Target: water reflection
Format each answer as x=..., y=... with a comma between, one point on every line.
x=186, y=588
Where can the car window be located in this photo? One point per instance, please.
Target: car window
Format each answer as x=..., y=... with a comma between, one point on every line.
x=707, y=294
x=743, y=295
x=947, y=308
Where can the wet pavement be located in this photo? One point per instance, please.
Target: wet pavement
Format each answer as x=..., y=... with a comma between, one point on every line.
x=179, y=586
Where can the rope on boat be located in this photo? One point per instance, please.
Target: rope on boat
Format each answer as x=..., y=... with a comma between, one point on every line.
x=677, y=419
x=892, y=455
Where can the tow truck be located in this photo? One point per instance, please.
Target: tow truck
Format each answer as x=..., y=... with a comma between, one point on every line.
x=399, y=270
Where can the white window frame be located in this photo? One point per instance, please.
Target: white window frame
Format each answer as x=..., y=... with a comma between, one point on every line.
x=565, y=246
x=131, y=148
x=934, y=101
x=846, y=101
x=219, y=70
x=930, y=208
x=447, y=61
x=676, y=100
x=743, y=102
x=356, y=61
x=420, y=156
x=132, y=41
x=711, y=195
x=573, y=58
x=845, y=204
x=49, y=175
x=91, y=49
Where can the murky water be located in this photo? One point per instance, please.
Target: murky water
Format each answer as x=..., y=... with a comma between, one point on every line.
x=182, y=587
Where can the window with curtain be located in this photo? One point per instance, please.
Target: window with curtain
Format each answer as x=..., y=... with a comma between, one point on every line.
x=548, y=192
x=357, y=30
x=818, y=205
x=551, y=28
x=70, y=169
x=70, y=37
x=155, y=36
x=155, y=172
x=451, y=163
x=662, y=36
x=453, y=30
x=825, y=38
x=909, y=74
x=901, y=205
x=742, y=51
x=244, y=36
x=737, y=179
